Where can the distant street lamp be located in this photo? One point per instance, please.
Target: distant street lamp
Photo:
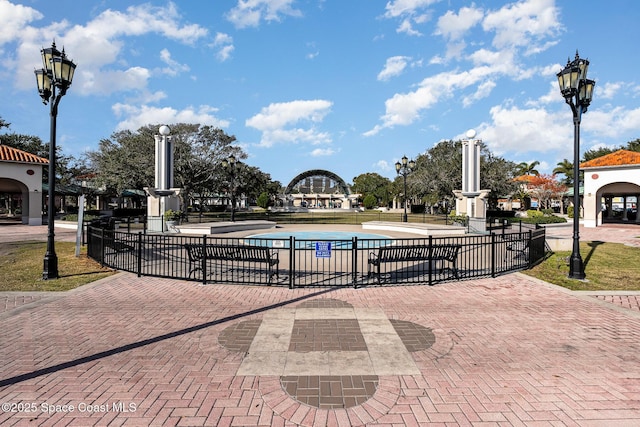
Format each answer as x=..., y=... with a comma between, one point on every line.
x=53, y=81
x=230, y=164
x=577, y=91
x=404, y=169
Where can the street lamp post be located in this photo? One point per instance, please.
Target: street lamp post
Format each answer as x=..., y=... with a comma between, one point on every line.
x=404, y=169
x=230, y=164
x=577, y=91
x=53, y=81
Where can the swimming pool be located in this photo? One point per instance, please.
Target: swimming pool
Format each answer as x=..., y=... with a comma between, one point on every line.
x=308, y=239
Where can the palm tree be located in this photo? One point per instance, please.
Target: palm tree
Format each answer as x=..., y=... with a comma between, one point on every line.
x=525, y=168
x=565, y=167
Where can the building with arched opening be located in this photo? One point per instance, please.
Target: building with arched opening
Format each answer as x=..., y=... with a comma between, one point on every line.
x=318, y=189
x=21, y=184
x=611, y=188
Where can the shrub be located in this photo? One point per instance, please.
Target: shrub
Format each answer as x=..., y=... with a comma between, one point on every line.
x=457, y=219
x=570, y=212
x=544, y=219
x=532, y=213
x=370, y=201
x=171, y=215
x=263, y=200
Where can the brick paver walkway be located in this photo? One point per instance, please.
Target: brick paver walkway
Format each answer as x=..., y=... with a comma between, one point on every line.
x=148, y=351
x=138, y=351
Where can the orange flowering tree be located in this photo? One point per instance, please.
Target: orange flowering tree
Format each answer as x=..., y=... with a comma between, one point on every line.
x=546, y=188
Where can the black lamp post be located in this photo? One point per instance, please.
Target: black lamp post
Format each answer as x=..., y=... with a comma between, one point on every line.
x=404, y=169
x=230, y=164
x=577, y=91
x=53, y=81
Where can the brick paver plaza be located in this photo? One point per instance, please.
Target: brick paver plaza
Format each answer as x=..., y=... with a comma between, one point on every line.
x=148, y=351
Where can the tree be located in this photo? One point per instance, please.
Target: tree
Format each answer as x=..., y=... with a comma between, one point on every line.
x=126, y=160
x=34, y=145
x=565, y=168
x=598, y=152
x=438, y=173
x=4, y=124
x=634, y=145
x=373, y=184
x=200, y=151
x=525, y=168
x=546, y=188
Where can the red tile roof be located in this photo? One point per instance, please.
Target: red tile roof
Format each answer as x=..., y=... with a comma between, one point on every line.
x=10, y=154
x=524, y=178
x=617, y=158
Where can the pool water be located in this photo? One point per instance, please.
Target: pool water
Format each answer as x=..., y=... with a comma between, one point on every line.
x=308, y=239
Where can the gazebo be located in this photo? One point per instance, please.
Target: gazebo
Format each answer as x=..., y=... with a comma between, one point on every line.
x=612, y=188
x=21, y=178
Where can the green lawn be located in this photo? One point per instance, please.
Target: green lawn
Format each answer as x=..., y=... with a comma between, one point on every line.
x=21, y=266
x=608, y=267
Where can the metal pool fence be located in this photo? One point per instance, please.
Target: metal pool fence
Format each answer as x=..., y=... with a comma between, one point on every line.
x=296, y=262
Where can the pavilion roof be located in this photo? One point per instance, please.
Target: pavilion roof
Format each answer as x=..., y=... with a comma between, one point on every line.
x=617, y=158
x=10, y=154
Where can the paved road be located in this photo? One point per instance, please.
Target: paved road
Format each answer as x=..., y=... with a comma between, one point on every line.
x=149, y=351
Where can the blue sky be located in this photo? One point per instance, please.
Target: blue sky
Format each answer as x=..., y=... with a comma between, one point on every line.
x=344, y=85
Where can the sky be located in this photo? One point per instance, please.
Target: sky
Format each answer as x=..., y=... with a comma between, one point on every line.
x=348, y=86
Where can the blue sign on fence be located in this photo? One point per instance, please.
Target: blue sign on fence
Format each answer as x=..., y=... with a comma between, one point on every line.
x=323, y=249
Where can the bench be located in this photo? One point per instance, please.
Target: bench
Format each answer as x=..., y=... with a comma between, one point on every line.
x=414, y=253
x=229, y=252
x=520, y=248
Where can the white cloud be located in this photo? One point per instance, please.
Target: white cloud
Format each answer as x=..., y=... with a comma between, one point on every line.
x=453, y=26
x=383, y=165
x=608, y=90
x=13, y=19
x=135, y=116
x=393, y=67
x=517, y=130
x=409, y=12
x=519, y=28
x=277, y=122
x=321, y=152
x=106, y=82
x=398, y=8
x=249, y=13
x=99, y=44
x=484, y=90
x=224, y=43
x=613, y=123
x=404, y=109
x=173, y=67
x=523, y=23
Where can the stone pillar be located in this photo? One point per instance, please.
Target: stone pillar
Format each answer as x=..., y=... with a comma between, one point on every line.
x=32, y=208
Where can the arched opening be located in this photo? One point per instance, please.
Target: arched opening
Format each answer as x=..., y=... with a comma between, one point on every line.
x=14, y=201
x=317, y=189
x=618, y=203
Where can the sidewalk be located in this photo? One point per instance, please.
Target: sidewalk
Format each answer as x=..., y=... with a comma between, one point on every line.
x=149, y=351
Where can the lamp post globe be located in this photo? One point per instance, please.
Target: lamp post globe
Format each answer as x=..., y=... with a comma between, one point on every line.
x=164, y=130
x=52, y=81
x=577, y=91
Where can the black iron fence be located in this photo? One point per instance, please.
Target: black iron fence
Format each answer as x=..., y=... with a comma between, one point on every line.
x=296, y=262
